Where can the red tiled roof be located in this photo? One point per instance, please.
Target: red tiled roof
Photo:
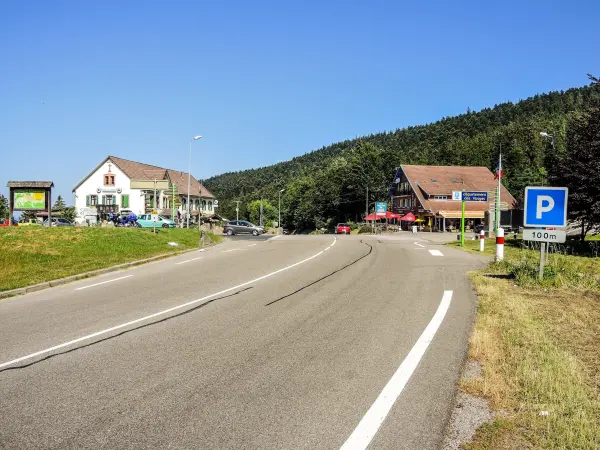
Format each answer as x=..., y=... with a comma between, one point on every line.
x=442, y=180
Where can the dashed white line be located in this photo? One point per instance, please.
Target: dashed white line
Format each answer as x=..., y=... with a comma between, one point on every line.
x=151, y=316
x=364, y=433
x=233, y=250
x=103, y=282
x=188, y=260
x=251, y=245
x=422, y=246
x=436, y=253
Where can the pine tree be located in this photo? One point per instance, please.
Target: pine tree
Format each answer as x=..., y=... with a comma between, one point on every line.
x=59, y=204
x=3, y=207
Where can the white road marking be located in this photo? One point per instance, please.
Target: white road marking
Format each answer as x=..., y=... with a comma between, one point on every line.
x=327, y=248
x=233, y=250
x=104, y=282
x=188, y=260
x=156, y=314
x=251, y=245
x=274, y=237
x=364, y=433
x=436, y=253
x=334, y=241
x=422, y=246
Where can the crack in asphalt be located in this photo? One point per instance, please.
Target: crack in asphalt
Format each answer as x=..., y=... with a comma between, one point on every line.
x=187, y=311
x=326, y=276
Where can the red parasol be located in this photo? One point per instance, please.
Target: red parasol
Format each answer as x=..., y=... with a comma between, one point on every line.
x=410, y=217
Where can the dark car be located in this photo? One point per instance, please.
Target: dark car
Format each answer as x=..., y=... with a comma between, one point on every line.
x=242, y=227
x=343, y=228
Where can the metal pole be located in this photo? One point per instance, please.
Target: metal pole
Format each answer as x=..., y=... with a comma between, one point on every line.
x=462, y=215
x=154, y=205
x=173, y=204
x=279, y=210
x=188, y=194
x=260, y=220
x=237, y=209
x=542, y=250
x=498, y=195
x=367, y=205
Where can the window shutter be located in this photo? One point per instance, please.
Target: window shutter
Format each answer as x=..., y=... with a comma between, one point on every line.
x=104, y=199
x=125, y=201
x=87, y=200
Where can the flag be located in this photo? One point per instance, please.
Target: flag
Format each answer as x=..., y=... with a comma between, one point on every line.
x=499, y=172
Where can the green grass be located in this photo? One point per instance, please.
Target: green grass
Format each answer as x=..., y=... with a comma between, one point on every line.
x=538, y=346
x=30, y=255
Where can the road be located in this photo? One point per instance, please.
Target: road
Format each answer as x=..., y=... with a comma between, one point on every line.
x=298, y=342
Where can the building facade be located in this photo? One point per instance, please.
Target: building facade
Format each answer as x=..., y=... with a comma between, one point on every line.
x=426, y=191
x=108, y=188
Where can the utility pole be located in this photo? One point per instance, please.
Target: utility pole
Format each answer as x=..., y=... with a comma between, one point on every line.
x=237, y=209
x=367, y=204
x=261, y=221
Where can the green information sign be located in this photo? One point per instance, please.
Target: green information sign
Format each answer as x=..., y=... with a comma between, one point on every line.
x=29, y=199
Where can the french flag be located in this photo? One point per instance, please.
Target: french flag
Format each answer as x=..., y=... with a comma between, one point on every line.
x=499, y=172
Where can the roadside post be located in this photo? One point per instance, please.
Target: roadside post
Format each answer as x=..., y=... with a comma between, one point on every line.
x=154, y=218
x=545, y=209
x=500, y=244
x=462, y=217
x=481, y=240
x=464, y=197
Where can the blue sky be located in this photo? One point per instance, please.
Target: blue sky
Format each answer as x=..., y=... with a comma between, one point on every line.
x=261, y=81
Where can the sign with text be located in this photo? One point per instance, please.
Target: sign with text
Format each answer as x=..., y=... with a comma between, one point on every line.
x=470, y=196
x=545, y=235
x=545, y=206
x=25, y=199
x=154, y=215
x=380, y=208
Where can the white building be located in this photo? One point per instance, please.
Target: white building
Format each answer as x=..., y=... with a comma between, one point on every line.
x=108, y=189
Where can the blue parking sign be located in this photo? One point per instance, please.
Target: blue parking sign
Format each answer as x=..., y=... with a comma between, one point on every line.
x=546, y=206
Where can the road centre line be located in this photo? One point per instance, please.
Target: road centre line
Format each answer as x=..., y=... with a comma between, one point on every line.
x=156, y=314
x=367, y=428
x=103, y=282
x=233, y=250
x=251, y=245
x=188, y=260
x=436, y=253
x=422, y=246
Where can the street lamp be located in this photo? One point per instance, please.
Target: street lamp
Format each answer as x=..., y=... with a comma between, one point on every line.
x=545, y=134
x=195, y=138
x=279, y=223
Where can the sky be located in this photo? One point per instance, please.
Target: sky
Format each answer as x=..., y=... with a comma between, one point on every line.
x=262, y=81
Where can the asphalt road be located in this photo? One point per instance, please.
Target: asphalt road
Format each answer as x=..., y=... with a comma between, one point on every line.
x=298, y=342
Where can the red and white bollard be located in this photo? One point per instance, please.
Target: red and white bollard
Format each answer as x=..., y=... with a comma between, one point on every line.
x=481, y=240
x=500, y=244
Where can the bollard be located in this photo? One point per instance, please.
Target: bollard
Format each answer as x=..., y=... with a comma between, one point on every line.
x=481, y=240
x=500, y=244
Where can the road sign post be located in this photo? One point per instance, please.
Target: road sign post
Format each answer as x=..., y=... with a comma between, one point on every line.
x=154, y=218
x=545, y=209
x=462, y=222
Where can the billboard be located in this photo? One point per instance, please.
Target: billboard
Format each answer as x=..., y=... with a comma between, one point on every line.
x=25, y=199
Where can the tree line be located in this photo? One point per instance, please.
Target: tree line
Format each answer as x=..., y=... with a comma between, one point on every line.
x=330, y=185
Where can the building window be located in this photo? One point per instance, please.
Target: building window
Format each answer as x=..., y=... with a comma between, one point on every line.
x=203, y=205
x=109, y=179
x=441, y=197
x=210, y=206
x=109, y=199
x=93, y=200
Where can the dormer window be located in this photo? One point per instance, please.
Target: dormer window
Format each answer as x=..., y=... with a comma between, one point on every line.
x=109, y=179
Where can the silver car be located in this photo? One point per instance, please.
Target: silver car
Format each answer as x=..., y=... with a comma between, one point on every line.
x=242, y=227
x=58, y=222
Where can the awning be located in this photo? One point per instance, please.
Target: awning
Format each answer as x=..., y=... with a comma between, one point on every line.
x=387, y=215
x=458, y=214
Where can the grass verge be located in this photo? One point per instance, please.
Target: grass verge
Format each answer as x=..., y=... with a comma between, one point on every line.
x=538, y=346
x=31, y=255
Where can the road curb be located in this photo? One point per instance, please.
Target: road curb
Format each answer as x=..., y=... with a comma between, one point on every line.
x=79, y=276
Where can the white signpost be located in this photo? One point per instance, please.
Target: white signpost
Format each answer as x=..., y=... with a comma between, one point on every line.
x=154, y=218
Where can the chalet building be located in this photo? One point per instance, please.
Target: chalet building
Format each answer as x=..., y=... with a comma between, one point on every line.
x=108, y=188
x=426, y=191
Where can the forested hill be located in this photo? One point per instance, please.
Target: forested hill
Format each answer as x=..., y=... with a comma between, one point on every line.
x=329, y=184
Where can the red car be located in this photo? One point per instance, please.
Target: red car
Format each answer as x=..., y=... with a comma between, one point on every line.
x=343, y=228
x=4, y=223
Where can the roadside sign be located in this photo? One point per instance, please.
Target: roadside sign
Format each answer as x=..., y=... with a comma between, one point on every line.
x=215, y=203
x=470, y=196
x=474, y=196
x=380, y=208
x=545, y=235
x=154, y=215
x=545, y=206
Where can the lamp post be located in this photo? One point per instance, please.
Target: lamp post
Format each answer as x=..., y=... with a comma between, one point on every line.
x=279, y=209
x=545, y=134
x=189, y=178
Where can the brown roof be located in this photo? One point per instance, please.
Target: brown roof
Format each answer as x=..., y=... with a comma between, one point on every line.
x=442, y=180
x=30, y=184
x=140, y=171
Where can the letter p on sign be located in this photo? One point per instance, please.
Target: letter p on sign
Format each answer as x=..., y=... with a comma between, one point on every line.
x=545, y=206
x=545, y=203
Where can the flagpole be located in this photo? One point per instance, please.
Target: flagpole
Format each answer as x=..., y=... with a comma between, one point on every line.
x=498, y=195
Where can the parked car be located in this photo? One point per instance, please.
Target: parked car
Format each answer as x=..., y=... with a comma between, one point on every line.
x=343, y=228
x=29, y=222
x=145, y=221
x=58, y=222
x=4, y=223
x=242, y=227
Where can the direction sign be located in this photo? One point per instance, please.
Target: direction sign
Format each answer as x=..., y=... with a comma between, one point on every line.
x=545, y=235
x=474, y=196
x=380, y=208
x=470, y=196
x=154, y=215
x=545, y=206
